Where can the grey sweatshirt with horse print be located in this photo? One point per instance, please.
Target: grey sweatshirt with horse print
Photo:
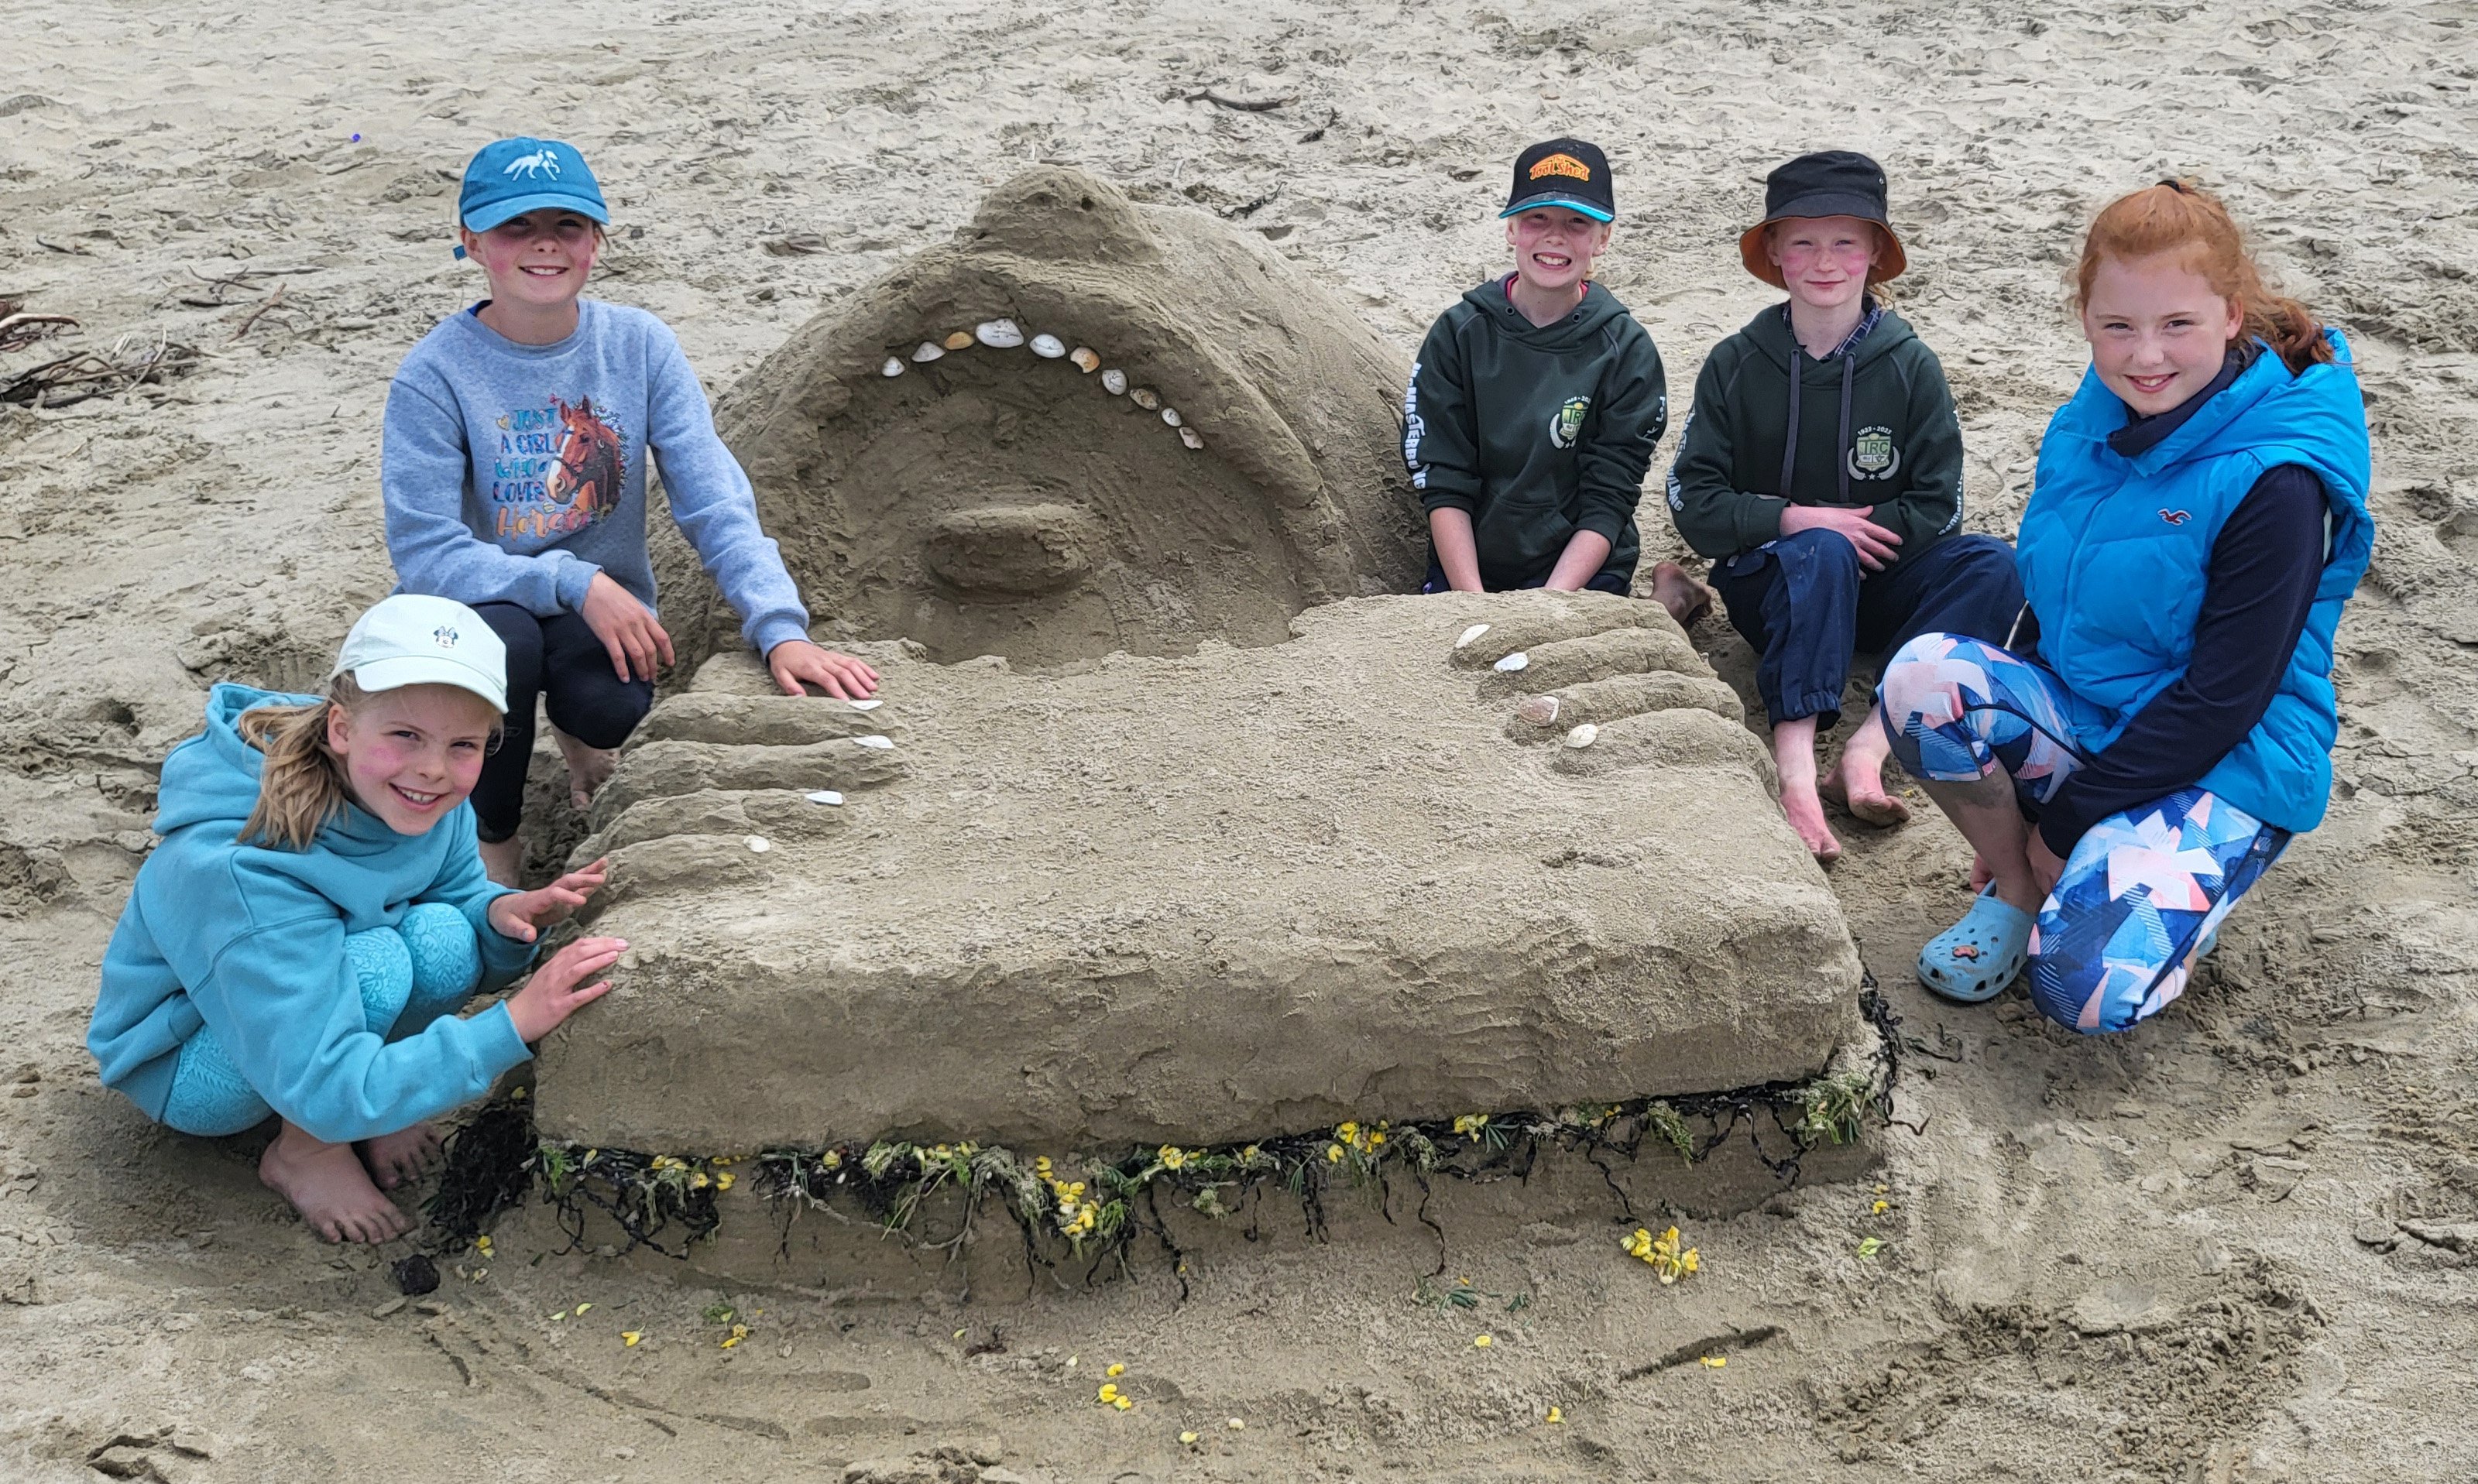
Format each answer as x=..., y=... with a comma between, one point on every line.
x=513, y=473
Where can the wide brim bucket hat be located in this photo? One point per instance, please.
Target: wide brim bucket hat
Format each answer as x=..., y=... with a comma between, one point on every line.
x=1829, y=183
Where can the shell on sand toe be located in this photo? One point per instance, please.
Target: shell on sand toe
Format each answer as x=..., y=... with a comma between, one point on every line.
x=1114, y=381
x=927, y=351
x=1540, y=710
x=1582, y=735
x=961, y=340
x=864, y=705
x=1145, y=398
x=1170, y=415
x=892, y=367
x=1516, y=660
x=1048, y=347
x=880, y=742
x=1470, y=634
x=998, y=334
x=827, y=796
x=1188, y=435
x=760, y=844
x=1085, y=361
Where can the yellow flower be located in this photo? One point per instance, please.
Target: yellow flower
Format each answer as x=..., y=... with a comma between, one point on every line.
x=1333, y=1154
x=1249, y=1154
x=482, y=1244
x=581, y=1308
x=739, y=1332
x=1116, y=1370
x=834, y=1159
x=1373, y=1140
x=1173, y=1157
x=1470, y=1124
x=699, y=1181
x=1188, y=1438
x=940, y=1153
x=1041, y=1166
x=1880, y=1208
x=1348, y=1133
x=1714, y=1362
x=1123, y=1403
x=1482, y=1343
x=1109, y=1393
x=630, y=1336
x=722, y=1181
x=1555, y=1415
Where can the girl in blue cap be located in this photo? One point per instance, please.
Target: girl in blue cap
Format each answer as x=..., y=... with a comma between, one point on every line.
x=298, y=946
x=514, y=470
x=2162, y=724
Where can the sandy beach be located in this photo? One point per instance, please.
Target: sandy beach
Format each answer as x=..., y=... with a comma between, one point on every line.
x=2239, y=1243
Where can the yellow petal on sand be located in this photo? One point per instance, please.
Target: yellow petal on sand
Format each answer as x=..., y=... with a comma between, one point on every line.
x=630, y=1336
x=1482, y=1342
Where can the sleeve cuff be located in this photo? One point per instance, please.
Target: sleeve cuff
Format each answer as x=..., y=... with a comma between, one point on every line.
x=503, y=957
x=575, y=577
x=1760, y=518
x=1432, y=500
x=1603, y=524
x=776, y=631
x=499, y=1045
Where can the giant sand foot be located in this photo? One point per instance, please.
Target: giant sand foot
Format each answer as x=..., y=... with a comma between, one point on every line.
x=1199, y=899
x=1085, y=425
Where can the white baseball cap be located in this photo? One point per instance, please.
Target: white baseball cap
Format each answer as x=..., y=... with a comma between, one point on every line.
x=415, y=639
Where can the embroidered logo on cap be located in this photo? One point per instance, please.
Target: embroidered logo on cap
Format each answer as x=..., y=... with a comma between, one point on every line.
x=446, y=636
x=534, y=165
x=1561, y=165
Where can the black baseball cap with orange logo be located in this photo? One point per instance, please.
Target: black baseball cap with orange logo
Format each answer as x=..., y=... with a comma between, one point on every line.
x=1562, y=172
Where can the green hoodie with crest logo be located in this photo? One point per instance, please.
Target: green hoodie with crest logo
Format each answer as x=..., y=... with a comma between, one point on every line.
x=1876, y=426
x=1537, y=431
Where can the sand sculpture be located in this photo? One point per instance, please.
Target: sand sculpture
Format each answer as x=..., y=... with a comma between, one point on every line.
x=1160, y=833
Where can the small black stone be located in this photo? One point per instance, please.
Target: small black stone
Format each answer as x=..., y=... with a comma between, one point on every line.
x=416, y=1276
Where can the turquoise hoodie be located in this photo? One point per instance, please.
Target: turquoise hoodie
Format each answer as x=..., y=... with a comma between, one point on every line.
x=249, y=940
x=2113, y=552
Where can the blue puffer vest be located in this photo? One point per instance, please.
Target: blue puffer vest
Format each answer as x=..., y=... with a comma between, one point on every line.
x=2114, y=551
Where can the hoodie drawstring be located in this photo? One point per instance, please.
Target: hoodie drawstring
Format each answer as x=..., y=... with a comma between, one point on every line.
x=1789, y=444
x=1841, y=465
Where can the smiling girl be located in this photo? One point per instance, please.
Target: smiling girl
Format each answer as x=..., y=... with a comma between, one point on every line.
x=297, y=945
x=2165, y=718
x=1535, y=404
x=514, y=469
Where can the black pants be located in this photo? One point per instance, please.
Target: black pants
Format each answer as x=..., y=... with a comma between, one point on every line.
x=559, y=660
x=1806, y=605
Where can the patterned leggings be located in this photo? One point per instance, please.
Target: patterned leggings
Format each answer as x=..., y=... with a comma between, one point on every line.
x=2142, y=889
x=411, y=974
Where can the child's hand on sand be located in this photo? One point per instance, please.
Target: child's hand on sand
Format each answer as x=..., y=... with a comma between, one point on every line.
x=796, y=662
x=552, y=995
x=523, y=914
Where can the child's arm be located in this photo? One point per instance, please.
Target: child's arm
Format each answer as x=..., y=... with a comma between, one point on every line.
x=1714, y=515
x=423, y=467
x=1930, y=504
x=1442, y=451
x=1617, y=448
x=712, y=503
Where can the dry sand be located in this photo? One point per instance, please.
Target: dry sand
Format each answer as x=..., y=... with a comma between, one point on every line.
x=2234, y=1245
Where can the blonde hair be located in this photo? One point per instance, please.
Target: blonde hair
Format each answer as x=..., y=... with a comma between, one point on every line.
x=2178, y=215
x=301, y=786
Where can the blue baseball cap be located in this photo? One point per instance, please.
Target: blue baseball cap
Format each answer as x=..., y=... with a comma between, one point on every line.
x=511, y=177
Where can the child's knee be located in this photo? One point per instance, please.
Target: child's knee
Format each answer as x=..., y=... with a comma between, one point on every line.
x=210, y=1097
x=382, y=968
x=446, y=958
x=1912, y=673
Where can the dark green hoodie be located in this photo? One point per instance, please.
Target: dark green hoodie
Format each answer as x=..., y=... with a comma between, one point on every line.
x=1538, y=431
x=1876, y=427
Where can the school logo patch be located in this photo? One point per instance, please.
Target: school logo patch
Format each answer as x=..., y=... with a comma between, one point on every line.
x=1561, y=165
x=1567, y=425
x=1872, y=455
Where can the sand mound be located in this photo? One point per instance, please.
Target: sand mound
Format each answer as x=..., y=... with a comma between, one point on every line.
x=1205, y=898
x=1085, y=425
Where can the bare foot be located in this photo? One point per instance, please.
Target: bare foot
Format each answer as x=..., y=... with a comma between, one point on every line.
x=503, y=860
x=1863, y=797
x=327, y=1185
x=395, y=1158
x=588, y=768
x=1805, y=814
x=1687, y=599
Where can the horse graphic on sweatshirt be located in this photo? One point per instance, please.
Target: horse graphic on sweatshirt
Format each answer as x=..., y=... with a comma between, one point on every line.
x=589, y=463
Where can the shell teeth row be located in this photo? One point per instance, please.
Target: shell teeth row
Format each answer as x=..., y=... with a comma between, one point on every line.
x=1006, y=333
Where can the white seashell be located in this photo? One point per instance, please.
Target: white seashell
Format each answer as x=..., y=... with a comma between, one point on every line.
x=1540, y=710
x=760, y=844
x=1170, y=415
x=864, y=705
x=1114, y=381
x=1189, y=436
x=961, y=340
x=1145, y=398
x=879, y=743
x=998, y=334
x=1085, y=361
x=1470, y=634
x=827, y=796
x=927, y=351
x=1516, y=660
x=1582, y=735
x=1048, y=347
x=892, y=367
